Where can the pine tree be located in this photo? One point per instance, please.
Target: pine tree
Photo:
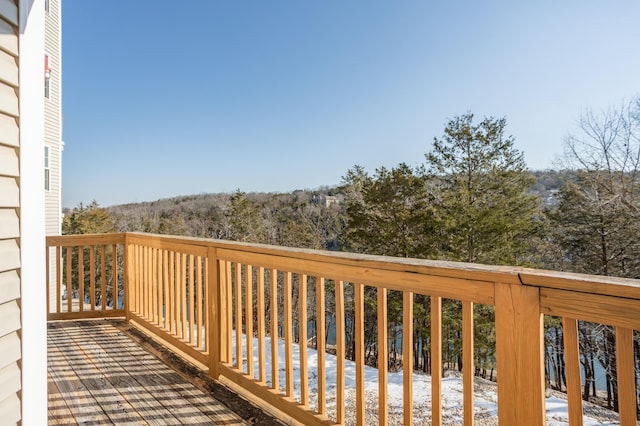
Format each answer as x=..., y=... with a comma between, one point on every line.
x=485, y=213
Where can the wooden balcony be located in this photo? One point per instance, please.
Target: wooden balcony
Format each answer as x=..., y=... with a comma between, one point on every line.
x=218, y=303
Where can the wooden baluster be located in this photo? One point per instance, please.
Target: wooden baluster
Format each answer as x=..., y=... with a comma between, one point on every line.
x=80, y=278
x=229, y=303
x=69, y=252
x=146, y=267
x=178, y=299
x=92, y=276
x=467, y=361
x=407, y=356
x=211, y=283
x=273, y=282
x=48, y=279
x=248, y=284
x=219, y=326
x=238, y=295
x=136, y=281
x=626, y=376
x=154, y=286
x=436, y=360
x=358, y=290
x=572, y=365
x=172, y=293
x=262, y=364
x=340, y=325
x=114, y=276
x=191, y=298
x=383, y=357
x=183, y=294
x=58, y=278
x=302, y=333
x=288, y=335
x=165, y=279
x=321, y=347
x=199, y=300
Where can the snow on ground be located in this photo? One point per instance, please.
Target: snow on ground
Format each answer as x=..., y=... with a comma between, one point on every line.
x=485, y=392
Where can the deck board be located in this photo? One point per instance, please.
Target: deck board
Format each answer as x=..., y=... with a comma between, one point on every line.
x=99, y=375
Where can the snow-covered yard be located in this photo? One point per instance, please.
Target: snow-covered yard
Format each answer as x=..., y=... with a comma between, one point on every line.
x=485, y=392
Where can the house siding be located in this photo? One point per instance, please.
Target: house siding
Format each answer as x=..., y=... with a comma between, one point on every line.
x=10, y=314
x=53, y=119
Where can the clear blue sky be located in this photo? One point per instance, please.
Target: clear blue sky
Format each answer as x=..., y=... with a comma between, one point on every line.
x=165, y=98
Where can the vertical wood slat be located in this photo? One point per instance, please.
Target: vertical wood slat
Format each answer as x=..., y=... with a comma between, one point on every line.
x=178, y=296
x=157, y=274
x=273, y=304
x=183, y=290
x=47, y=279
x=229, y=302
x=80, y=278
x=216, y=282
x=248, y=277
x=288, y=335
x=467, y=361
x=383, y=357
x=572, y=364
x=92, y=276
x=302, y=333
x=165, y=278
x=191, y=299
x=238, y=296
x=69, y=279
x=127, y=257
x=144, y=282
x=359, y=340
x=436, y=361
x=199, y=299
x=219, y=279
x=626, y=376
x=172, y=293
x=193, y=313
x=340, y=325
x=58, y=278
x=407, y=356
x=136, y=277
x=262, y=363
x=103, y=277
x=114, y=275
x=154, y=286
x=321, y=345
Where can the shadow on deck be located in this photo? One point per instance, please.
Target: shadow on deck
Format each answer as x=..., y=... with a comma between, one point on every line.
x=107, y=372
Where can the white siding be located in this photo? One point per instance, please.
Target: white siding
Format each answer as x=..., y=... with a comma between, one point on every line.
x=10, y=315
x=53, y=121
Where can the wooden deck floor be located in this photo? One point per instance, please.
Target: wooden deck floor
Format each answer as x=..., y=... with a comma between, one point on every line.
x=98, y=374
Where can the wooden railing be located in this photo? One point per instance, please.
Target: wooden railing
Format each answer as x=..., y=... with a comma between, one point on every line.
x=235, y=307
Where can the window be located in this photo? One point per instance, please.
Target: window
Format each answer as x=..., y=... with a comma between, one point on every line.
x=47, y=76
x=47, y=170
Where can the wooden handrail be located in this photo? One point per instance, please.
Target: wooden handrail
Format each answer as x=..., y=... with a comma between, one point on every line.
x=196, y=293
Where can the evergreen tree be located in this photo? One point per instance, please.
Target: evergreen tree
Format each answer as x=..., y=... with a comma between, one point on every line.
x=485, y=213
x=89, y=219
x=389, y=213
x=245, y=222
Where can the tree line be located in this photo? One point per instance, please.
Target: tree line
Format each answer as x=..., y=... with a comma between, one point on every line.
x=471, y=199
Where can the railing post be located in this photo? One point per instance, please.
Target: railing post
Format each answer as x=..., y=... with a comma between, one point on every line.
x=520, y=355
x=214, y=333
